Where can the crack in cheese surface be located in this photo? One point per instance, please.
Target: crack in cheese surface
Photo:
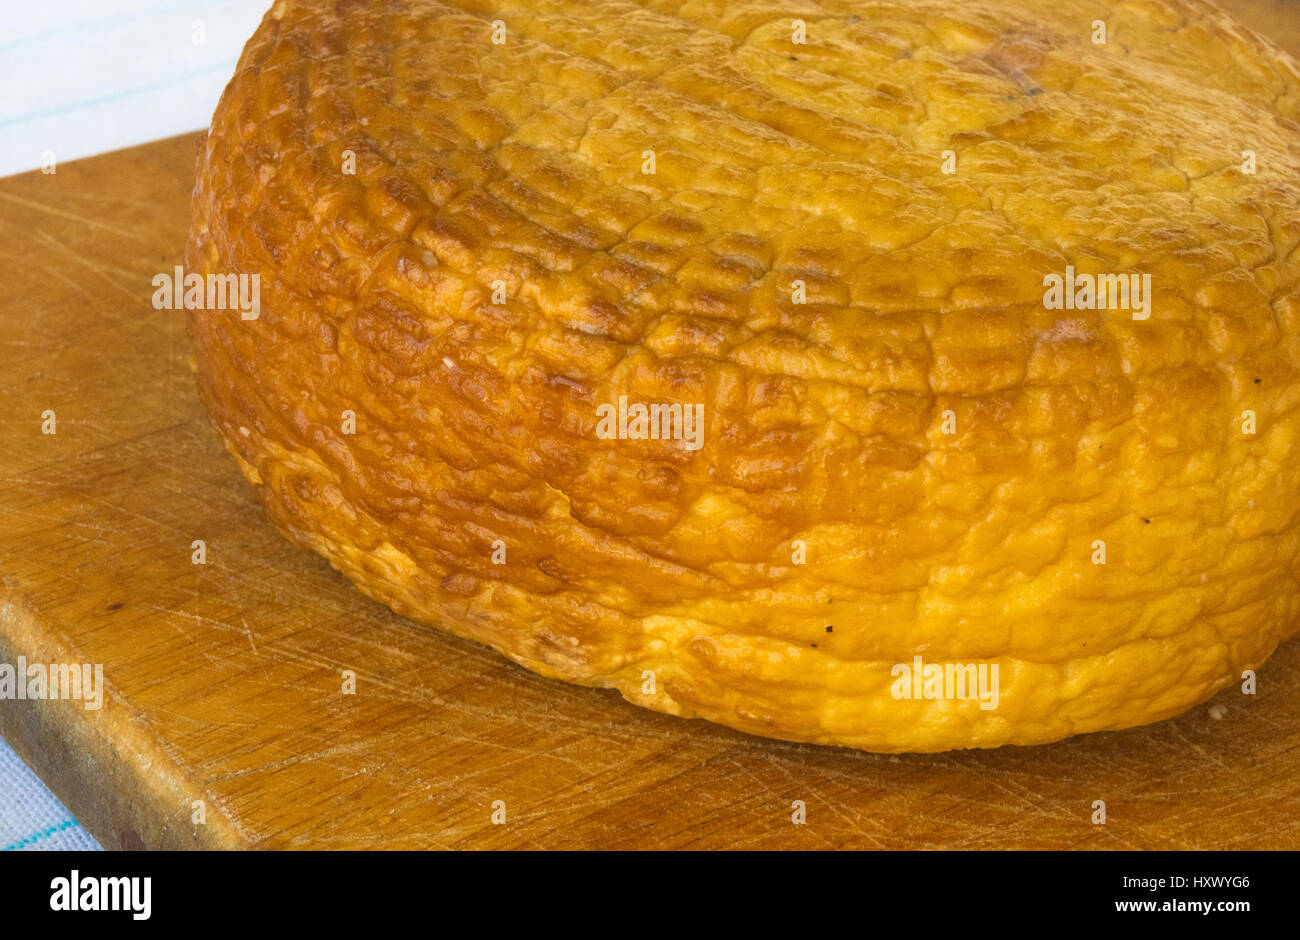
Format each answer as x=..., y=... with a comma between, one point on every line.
x=387, y=168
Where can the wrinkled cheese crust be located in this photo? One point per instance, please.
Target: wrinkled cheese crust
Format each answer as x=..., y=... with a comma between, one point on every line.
x=519, y=165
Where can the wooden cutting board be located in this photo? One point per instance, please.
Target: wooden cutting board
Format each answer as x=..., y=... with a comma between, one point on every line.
x=225, y=680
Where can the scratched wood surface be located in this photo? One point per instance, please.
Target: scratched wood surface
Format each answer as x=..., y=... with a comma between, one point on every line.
x=224, y=680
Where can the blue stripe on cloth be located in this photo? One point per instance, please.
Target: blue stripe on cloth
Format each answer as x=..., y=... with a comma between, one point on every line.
x=103, y=21
x=31, y=817
x=43, y=834
x=226, y=67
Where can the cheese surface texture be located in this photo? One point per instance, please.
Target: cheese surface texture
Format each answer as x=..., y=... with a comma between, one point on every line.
x=900, y=375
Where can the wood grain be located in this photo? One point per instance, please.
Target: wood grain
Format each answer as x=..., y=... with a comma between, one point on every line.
x=224, y=680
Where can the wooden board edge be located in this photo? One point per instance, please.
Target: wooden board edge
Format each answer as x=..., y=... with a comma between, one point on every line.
x=86, y=763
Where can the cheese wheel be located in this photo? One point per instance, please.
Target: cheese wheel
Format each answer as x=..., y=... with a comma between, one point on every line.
x=906, y=375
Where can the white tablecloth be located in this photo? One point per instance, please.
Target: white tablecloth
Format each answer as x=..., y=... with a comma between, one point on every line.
x=31, y=817
x=80, y=77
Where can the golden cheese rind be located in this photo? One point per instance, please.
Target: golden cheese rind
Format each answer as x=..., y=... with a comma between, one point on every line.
x=518, y=168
